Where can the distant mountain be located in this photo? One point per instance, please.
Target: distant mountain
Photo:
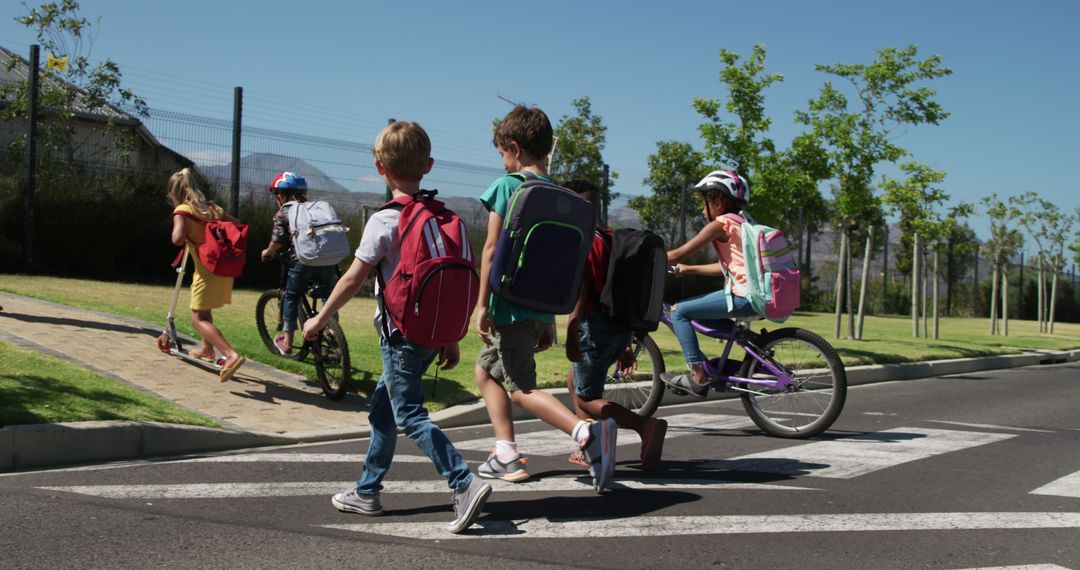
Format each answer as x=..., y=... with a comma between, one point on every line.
x=257, y=169
x=624, y=217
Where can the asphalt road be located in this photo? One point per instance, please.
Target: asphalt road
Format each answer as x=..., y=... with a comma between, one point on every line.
x=969, y=471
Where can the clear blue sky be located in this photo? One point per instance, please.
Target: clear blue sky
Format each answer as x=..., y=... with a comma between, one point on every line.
x=339, y=69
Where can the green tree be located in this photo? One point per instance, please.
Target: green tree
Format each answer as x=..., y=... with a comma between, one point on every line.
x=579, y=148
x=83, y=86
x=914, y=200
x=673, y=169
x=1003, y=244
x=858, y=135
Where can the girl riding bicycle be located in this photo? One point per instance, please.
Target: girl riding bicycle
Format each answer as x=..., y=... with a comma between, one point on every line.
x=725, y=195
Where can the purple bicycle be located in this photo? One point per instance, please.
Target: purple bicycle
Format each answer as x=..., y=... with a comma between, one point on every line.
x=791, y=381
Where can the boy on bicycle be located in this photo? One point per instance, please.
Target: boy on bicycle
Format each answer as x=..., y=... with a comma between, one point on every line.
x=290, y=188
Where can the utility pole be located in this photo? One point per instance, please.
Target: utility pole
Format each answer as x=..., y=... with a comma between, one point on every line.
x=31, y=154
x=389, y=192
x=607, y=192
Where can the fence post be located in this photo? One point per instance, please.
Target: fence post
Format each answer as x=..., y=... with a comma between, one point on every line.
x=238, y=106
x=389, y=193
x=607, y=193
x=31, y=154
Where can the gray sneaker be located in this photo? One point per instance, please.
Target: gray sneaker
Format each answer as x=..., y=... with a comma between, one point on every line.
x=352, y=502
x=684, y=383
x=599, y=452
x=512, y=471
x=467, y=505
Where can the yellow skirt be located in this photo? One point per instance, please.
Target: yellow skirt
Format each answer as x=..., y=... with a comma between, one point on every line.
x=209, y=291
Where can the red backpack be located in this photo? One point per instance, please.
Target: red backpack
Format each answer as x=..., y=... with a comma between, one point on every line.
x=223, y=248
x=433, y=290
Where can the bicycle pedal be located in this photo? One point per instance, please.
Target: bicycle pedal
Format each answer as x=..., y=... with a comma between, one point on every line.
x=677, y=391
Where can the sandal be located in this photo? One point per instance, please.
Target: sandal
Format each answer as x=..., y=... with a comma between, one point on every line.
x=202, y=356
x=578, y=458
x=227, y=372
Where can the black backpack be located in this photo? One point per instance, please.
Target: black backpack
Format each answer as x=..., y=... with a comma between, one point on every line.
x=633, y=293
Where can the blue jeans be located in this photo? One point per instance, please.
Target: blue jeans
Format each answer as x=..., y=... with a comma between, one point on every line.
x=704, y=308
x=601, y=344
x=296, y=284
x=398, y=402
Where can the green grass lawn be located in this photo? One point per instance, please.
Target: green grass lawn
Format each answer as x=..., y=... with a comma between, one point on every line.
x=887, y=339
x=38, y=388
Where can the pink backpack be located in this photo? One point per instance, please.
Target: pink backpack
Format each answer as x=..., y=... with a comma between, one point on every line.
x=433, y=291
x=771, y=270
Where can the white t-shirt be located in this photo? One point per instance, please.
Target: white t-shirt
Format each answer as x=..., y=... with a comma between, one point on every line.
x=381, y=246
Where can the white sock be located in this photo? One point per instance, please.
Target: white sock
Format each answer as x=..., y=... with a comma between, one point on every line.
x=581, y=432
x=505, y=450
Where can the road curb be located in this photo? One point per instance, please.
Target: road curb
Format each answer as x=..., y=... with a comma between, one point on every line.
x=44, y=445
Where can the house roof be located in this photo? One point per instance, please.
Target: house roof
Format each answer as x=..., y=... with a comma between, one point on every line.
x=82, y=109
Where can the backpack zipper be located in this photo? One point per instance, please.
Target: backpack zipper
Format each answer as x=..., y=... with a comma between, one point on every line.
x=423, y=284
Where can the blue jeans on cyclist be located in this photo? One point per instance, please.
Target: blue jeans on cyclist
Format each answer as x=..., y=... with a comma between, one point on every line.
x=296, y=284
x=398, y=402
x=710, y=309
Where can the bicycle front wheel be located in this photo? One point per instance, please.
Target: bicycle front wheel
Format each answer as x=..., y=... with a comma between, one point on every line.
x=813, y=403
x=332, y=364
x=268, y=320
x=642, y=391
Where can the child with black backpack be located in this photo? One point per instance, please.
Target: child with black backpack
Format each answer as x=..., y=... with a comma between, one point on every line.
x=513, y=333
x=595, y=343
x=290, y=193
x=403, y=156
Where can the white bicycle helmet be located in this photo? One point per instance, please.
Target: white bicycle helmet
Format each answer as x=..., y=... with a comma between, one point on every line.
x=727, y=182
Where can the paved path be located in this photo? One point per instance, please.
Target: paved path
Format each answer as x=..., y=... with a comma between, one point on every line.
x=259, y=398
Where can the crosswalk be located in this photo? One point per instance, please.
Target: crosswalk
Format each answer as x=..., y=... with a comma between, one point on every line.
x=801, y=467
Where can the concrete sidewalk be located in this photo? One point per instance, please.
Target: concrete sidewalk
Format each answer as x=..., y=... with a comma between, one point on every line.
x=261, y=405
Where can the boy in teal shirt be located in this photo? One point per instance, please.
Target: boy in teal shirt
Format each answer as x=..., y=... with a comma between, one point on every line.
x=512, y=334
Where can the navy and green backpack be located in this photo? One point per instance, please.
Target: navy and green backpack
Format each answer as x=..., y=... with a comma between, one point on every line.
x=542, y=248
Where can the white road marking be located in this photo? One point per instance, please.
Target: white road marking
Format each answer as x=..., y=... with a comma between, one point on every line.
x=553, y=442
x=1022, y=567
x=858, y=455
x=300, y=489
x=708, y=525
x=991, y=426
x=298, y=458
x=1067, y=486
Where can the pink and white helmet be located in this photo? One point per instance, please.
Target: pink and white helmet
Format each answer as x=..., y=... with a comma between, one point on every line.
x=727, y=182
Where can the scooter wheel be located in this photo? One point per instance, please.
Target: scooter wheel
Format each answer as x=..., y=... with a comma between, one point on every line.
x=164, y=343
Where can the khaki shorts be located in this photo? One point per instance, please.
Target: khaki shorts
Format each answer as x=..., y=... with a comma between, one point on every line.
x=511, y=358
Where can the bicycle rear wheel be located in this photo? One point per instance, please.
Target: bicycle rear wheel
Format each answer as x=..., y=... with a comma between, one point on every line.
x=332, y=364
x=268, y=320
x=816, y=400
x=642, y=391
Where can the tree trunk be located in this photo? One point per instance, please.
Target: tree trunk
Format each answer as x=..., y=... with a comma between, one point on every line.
x=840, y=281
x=937, y=325
x=1005, y=299
x=915, y=287
x=1039, y=295
x=993, y=299
x=865, y=274
x=950, y=277
x=925, y=274
x=1053, y=298
x=849, y=280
